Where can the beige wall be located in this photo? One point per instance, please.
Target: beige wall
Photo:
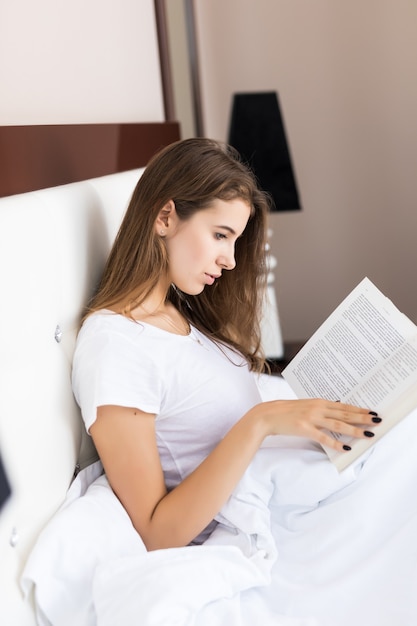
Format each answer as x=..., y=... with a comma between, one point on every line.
x=78, y=62
x=346, y=74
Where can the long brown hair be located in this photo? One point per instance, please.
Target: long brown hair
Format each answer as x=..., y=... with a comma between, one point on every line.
x=193, y=173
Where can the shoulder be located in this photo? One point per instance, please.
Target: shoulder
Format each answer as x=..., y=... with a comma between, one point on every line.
x=108, y=341
x=105, y=327
x=107, y=321
x=110, y=347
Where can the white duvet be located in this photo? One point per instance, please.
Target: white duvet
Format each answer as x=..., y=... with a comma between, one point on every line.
x=297, y=544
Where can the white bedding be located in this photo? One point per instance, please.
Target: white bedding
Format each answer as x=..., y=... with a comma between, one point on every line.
x=338, y=549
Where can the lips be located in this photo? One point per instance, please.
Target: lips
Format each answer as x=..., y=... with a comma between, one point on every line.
x=210, y=278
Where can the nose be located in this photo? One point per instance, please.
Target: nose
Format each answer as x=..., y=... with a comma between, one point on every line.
x=227, y=261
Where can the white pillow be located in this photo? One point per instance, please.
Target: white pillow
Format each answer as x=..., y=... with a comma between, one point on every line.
x=91, y=528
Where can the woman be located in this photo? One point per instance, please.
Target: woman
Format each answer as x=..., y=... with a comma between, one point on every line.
x=163, y=369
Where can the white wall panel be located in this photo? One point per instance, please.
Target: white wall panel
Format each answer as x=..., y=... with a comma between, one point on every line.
x=79, y=61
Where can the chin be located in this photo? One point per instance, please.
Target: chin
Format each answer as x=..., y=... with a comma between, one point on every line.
x=192, y=291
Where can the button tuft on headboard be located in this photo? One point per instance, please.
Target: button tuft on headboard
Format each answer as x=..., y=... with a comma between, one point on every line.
x=58, y=334
x=14, y=537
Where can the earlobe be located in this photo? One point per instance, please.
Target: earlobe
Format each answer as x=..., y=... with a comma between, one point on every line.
x=164, y=219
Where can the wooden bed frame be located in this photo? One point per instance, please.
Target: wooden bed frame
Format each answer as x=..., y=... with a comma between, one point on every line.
x=37, y=157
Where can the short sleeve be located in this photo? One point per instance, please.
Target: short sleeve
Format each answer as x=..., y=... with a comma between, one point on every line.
x=113, y=364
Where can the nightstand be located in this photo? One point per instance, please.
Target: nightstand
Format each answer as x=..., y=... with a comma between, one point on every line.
x=290, y=350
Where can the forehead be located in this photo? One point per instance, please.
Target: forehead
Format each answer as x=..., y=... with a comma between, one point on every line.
x=231, y=213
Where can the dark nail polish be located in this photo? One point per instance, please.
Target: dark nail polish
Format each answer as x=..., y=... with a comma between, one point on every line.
x=347, y=447
x=376, y=420
x=373, y=413
x=368, y=433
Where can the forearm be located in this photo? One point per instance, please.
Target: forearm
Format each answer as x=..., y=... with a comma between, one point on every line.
x=185, y=511
x=126, y=441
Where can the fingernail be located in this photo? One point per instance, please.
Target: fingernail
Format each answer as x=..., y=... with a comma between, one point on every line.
x=373, y=413
x=347, y=447
x=376, y=420
x=368, y=433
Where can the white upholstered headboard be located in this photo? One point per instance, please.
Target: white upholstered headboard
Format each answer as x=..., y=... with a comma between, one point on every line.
x=53, y=244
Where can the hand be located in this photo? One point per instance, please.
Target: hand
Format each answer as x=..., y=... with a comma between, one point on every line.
x=310, y=418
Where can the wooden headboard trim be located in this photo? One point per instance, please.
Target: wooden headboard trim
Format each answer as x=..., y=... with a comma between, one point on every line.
x=37, y=157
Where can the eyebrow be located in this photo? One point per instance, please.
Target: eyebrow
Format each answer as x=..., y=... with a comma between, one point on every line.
x=231, y=231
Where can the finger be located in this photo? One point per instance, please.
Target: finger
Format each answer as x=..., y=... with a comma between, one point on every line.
x=341, y=406
x=344, y=428
x=354, y=415
x=325, y=438
x=331, y=442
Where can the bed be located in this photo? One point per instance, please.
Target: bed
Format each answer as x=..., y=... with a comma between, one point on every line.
x=339, y=548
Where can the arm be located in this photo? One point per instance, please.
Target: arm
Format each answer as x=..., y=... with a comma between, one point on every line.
x=126, y=442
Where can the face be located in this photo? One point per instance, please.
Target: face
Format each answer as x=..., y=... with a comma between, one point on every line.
x=202, y=247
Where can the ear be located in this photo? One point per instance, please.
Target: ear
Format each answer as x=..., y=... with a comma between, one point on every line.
x=166, y=218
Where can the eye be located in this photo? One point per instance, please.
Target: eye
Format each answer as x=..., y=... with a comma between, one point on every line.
x=220, y=236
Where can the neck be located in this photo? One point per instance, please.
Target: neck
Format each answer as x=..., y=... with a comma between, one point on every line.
x=158, y=311
x=154, y=302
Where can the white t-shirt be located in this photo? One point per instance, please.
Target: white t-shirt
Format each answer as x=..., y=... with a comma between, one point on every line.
x=196, y=389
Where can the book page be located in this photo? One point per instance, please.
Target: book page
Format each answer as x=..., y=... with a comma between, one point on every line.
x=364, y=354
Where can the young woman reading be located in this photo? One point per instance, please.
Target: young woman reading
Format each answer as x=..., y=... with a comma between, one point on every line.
x=165, y=359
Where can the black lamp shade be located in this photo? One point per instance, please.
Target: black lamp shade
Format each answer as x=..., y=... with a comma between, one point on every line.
x=257, y=132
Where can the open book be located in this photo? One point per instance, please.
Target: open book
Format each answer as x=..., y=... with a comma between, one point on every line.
x=364, y=354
